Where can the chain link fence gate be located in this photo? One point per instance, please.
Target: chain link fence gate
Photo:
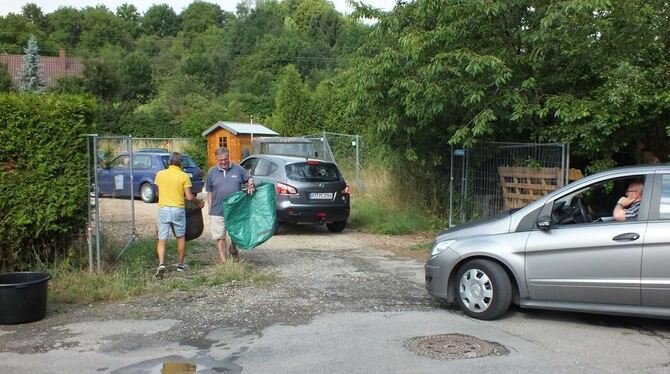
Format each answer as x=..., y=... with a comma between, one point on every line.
x=115, y=221
x=344, y=150
x=489, y=178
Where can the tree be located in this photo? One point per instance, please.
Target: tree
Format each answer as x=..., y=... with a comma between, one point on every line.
x=200, y=15
x=15, y=33
x=100, y=27
x=319, y=19
x=137, y=77
x=65, y=27
x=160, y=20
x=5, y=78
x=593, y=73
x=31, y=76
x=34, y=14
x=208, y=59
x=129, y=13
x=293, y=113
x=102, y=79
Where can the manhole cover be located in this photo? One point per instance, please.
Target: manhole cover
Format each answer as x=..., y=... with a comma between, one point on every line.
x=453, y=347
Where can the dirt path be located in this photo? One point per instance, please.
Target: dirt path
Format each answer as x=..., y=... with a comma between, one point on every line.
x=318, y=272
x=342, y=303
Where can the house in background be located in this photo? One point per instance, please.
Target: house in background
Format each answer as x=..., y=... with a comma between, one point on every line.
x=235, y=136
x=52, y=67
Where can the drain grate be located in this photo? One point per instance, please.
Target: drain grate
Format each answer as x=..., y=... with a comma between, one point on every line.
x=453, y=347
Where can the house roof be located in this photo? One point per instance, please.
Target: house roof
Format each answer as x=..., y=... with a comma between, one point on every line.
x=241, y=128
x=52, y=67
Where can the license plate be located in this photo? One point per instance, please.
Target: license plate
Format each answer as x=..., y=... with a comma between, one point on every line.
x=190, y=175
x=321, y=195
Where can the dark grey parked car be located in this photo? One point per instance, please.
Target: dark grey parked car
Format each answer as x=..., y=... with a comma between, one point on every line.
x=307, y=190
x=564, y=251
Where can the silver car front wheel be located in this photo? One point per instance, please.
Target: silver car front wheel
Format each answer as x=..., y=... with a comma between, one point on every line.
x=484, y=289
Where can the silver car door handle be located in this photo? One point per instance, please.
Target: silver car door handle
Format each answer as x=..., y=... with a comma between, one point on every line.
x=628, y=237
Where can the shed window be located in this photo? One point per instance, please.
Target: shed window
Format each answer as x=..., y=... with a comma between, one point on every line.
x=223, y=141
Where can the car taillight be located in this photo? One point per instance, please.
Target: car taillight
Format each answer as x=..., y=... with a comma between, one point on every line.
x=285, y=189
x=312, y=162
x=346, y=190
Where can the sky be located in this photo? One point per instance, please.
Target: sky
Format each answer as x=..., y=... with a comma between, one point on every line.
x=48, y=6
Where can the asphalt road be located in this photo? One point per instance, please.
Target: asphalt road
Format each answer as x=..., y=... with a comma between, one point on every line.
x=343, y=304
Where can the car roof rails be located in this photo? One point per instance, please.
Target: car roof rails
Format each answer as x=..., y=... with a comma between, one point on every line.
x=155, y=150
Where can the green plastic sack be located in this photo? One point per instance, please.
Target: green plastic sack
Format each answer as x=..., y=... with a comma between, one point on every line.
x=250, y=218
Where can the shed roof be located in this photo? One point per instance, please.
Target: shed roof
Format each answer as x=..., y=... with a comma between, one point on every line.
x=241, y=128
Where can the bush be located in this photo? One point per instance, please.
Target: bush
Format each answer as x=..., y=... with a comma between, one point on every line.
x=43, y=173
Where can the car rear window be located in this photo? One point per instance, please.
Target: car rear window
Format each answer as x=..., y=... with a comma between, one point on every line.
x=186, y=162
x=312, y=171
x=288, y=149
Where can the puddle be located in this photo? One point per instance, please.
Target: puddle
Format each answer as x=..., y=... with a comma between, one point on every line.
x=178, y=368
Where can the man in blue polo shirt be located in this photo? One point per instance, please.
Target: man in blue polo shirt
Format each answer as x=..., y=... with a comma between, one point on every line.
x=222, y=180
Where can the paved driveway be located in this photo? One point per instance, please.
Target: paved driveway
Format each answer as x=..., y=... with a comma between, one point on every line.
x=343, y=304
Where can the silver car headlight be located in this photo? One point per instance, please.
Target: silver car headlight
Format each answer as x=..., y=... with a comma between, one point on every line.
x=441, y=247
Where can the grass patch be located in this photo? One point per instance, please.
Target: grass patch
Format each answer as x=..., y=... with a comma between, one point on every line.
x=380, y=209
x=421, y=247
x=370, y=215
x=133, y=275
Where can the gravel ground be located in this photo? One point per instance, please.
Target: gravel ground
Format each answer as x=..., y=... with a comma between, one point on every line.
x=342, y=303
x=318, y=272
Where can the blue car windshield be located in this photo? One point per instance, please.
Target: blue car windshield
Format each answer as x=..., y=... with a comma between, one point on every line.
x=186, y=162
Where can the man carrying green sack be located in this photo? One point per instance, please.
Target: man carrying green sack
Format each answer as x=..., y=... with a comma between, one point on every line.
x=250, y=219
x=223, y=179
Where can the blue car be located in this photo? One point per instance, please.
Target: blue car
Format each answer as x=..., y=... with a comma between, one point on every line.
x=114, y=178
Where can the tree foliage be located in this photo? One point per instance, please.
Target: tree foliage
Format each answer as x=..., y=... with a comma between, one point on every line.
x=588, y=72
x=200, y=15
x=5, y=78
x=65, y=27
x=31, y=76
x=42, y=180
x=293, y=112
x=160, y=20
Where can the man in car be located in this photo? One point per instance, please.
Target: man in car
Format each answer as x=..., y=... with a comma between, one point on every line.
x=628, y=206
x=173, y=185
x=224, y=179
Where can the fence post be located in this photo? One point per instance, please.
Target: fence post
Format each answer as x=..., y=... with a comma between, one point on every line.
x=132, y=185
x=464, y=183
x=567, y=163
x=97, y=202
x=451, y=186
x=89, y=229
x=358, y=178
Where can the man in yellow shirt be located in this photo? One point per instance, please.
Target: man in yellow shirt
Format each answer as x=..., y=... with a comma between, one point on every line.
x=173, y=184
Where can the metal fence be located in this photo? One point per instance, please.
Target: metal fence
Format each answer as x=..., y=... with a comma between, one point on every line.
x=115, y=218
x=477, y=175
x=343, y=149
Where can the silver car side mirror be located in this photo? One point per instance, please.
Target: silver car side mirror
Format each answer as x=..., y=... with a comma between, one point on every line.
x=544, y=223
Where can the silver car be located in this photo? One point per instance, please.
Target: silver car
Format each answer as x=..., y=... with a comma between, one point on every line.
x=564, y=251
x=307, y=190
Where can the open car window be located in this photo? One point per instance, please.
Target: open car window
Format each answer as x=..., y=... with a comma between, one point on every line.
x=594, y=203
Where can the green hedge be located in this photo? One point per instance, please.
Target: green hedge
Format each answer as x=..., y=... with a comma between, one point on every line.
x=43, y=174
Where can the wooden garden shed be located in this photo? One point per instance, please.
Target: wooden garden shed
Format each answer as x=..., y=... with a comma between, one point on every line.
x=235, y=136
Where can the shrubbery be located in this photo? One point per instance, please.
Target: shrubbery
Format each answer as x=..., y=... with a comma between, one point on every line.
x=43, y=173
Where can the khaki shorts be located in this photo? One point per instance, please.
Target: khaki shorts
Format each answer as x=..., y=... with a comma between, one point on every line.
x=218, y=227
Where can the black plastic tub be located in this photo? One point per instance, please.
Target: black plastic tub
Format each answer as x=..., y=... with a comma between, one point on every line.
x=23, y=297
